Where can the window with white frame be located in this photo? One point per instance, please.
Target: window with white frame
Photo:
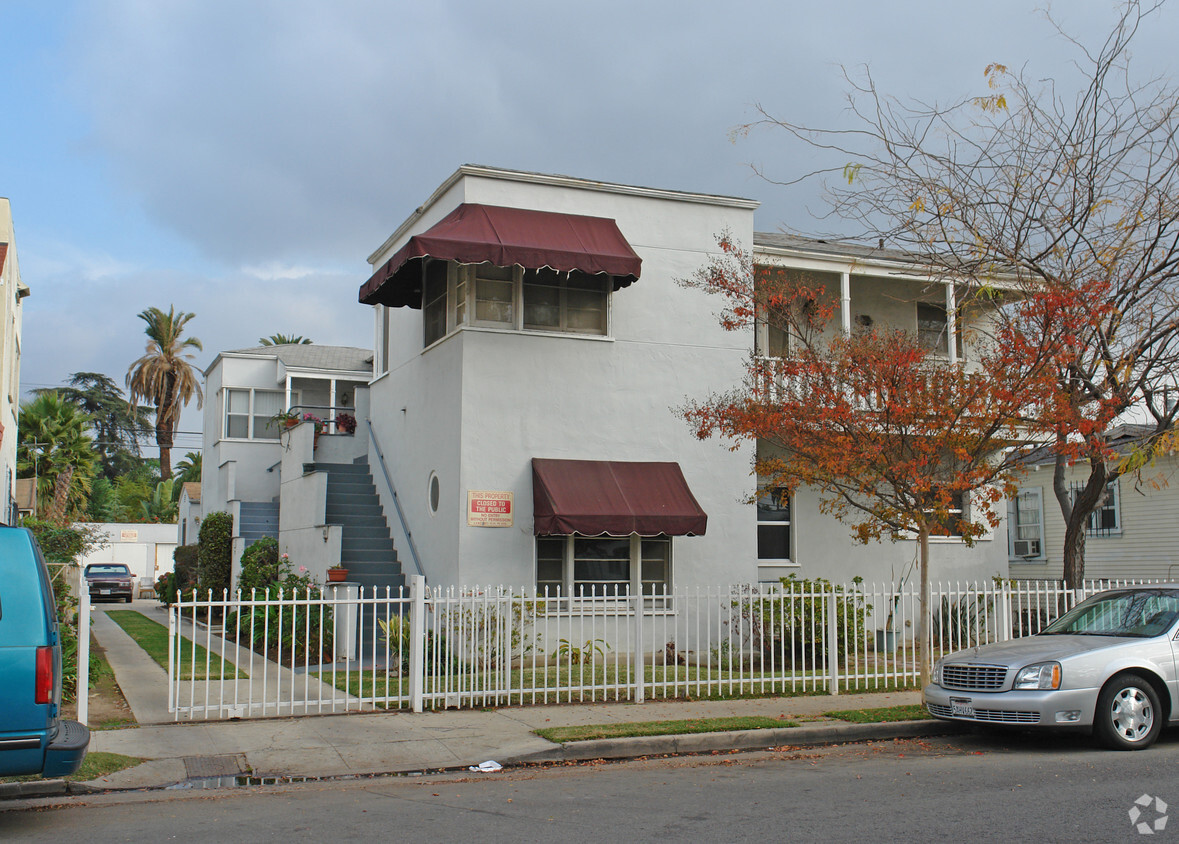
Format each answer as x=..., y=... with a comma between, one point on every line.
x=603, y=566
x=249, y=413
x=513, y=298
x=1106, y=519
x=1025, y=525
x=950, y=525
x=773, y=524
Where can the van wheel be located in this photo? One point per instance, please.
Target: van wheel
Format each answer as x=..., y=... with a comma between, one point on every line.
x=1128, y=715
x=127, y=600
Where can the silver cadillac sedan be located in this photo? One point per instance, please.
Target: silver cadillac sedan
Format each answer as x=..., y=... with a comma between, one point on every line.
x=1108, y=665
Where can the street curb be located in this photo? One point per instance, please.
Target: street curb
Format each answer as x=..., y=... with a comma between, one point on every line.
x=629, y=748
x=43, y=788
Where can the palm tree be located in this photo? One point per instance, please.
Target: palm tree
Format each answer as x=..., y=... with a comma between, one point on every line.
x=53, y=447
x=284, y=340
x=164, y=377
x=188, y=470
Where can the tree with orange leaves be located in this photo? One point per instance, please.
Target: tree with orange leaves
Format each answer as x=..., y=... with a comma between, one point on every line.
x=1069, y=188
x=892, y=439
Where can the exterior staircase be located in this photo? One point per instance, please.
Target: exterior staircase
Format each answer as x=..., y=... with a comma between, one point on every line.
x=366, y=548
x=257, y=519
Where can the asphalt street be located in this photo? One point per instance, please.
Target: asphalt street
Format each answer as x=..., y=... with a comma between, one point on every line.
x=1009, y=787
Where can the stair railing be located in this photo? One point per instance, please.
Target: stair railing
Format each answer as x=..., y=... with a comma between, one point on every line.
x=413, y=548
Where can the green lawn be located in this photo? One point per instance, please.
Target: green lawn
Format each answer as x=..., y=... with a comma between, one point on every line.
x=153, y=638
x=96, y=764
x=913, y=712
x=586, y=683
x=662, y=728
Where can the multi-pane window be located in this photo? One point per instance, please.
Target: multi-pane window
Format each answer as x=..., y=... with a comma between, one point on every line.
x=249, y=413
x=773, y=524
x=603, y=566
x=1025, y=525
x=1106, y=519
x=513, y=298
x=571, y=302
x=933, y=330
x=495, y=296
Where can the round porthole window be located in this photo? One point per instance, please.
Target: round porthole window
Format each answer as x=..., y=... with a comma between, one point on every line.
x=435, y=493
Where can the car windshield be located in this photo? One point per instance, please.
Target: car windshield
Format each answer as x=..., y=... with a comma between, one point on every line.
x=1141, y=613
x=107, y=570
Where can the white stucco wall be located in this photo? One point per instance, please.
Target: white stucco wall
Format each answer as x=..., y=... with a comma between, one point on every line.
x=478, y=406
x=145, y=548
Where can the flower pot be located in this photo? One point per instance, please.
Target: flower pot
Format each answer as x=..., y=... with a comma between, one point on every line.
x=337, y=575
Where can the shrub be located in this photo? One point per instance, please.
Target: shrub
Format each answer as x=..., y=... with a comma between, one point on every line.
x=260, y=567
x=214, y=553
x=793, y=621
x=182, y=579
x=298, y=630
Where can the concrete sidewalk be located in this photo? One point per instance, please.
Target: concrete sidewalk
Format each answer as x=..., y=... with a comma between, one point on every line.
x=399, y=742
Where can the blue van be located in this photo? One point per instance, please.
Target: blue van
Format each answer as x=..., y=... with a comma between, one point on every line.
x=34, y=739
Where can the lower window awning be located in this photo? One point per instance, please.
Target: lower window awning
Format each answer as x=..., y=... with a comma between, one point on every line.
x=616, y=498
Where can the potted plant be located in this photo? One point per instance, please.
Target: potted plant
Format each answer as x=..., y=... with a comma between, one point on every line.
x=337, y=574
x=286, y=418
x=346, y=423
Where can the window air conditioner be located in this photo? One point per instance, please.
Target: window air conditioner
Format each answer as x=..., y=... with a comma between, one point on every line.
x=1027, y=547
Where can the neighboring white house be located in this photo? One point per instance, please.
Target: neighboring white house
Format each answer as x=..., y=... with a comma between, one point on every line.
x=1134, y=533
x=12, y=293
x=242, y=451
x=188, y=513
x=531, y=346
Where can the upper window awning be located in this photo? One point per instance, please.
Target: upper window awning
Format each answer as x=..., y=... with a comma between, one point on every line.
x=473, y=234
x=596, y=497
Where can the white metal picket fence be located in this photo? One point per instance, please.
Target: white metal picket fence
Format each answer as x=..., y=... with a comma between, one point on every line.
x=418, y=648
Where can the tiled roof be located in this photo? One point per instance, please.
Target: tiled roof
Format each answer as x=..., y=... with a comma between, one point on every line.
x=193, y=491
x=314, y=356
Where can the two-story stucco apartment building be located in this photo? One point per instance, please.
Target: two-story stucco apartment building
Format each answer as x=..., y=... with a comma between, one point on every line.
x=531, y=346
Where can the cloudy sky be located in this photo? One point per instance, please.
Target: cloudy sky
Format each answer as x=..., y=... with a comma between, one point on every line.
x=241, y=158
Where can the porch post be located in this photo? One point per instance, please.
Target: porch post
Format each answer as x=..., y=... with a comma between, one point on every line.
x=845, y=302
x=952, y=322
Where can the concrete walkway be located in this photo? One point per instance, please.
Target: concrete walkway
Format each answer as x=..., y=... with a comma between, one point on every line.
x=398, y=742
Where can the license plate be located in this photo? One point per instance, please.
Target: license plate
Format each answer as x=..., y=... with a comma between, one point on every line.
x=104, y=591
x=962, y=707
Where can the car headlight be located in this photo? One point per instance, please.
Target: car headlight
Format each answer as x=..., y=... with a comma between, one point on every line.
x=1042, y=675
x=936, y=676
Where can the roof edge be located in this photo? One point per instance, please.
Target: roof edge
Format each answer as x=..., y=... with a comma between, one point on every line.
x=554, y=181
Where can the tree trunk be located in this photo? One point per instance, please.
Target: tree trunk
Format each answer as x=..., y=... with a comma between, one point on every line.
x=61, y=496
x=1076, y=510
x=924, y=639
x=164, y=428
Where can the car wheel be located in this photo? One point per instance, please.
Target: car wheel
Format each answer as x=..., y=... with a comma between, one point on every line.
x=1128, y=714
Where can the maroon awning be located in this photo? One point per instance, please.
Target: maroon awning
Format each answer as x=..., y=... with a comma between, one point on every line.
x=473, y=234
x=595, y=497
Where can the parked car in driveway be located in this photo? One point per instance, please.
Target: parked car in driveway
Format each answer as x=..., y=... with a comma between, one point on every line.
x=1108, y=665
x=110, y=582
x=34, y=738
